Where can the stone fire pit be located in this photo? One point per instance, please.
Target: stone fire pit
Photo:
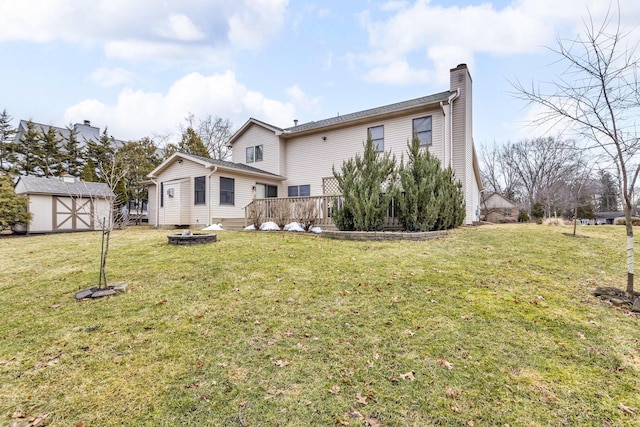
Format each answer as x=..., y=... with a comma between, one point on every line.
x=191, y=239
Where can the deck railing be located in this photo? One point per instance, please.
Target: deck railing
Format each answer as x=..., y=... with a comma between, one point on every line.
x=290, y=208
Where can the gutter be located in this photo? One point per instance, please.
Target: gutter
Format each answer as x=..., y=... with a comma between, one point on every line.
x=157, y=201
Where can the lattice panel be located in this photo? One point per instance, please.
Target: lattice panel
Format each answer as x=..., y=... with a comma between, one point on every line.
x=330, y=186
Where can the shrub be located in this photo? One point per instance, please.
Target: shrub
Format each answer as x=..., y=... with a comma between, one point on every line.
x=432, y=198
x=280, y=212
x=306, y=213
x=523, y=217
x=367, y=184
x=13, y=207
x=255, y=213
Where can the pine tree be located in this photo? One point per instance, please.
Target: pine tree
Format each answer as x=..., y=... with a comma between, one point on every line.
x=89, y=172
x=13, y=207
x=432, y=198
x=72, y=157
x=29, y=150
x=7, y=154
x=49, y=158
x=368, y=185
x=100, y=151
x=191, y=143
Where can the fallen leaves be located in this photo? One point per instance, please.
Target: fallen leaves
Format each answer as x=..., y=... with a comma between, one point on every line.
x=281, y=363
x=335, y=389
x=627, y=409
x=36, y=421
x=361, y=399
x=444, y=363
x=164, y=301
x=49, y=360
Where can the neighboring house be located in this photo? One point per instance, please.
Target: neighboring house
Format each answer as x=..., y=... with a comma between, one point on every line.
x=609, y=217
x=83, y=132
x=65, y=204
x=497, y=208
x=270, y=162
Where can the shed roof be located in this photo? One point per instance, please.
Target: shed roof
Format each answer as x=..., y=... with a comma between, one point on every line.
x=59, y=187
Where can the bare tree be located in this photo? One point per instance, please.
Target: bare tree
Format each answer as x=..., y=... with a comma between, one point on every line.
x=215, y=133
x=498, y=175
x=598, y=98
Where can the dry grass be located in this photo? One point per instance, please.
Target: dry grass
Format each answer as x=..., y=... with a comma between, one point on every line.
x=488, y=326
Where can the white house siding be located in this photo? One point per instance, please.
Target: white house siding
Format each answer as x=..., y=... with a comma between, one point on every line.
x=179, y=209
x=152, y=205
x=243, y=194
x=311, y=158
x=258, y=135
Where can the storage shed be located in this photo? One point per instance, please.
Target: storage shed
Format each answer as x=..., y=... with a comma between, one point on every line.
x=65, y=204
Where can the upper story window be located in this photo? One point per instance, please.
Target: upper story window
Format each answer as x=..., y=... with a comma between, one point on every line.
x=227, y=191
x=254, y=154
x=376, y=133
x=422, y=128
x=199, y=190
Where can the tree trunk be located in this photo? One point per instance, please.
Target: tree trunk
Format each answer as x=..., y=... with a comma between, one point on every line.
x=103, y=267
x=629, y=227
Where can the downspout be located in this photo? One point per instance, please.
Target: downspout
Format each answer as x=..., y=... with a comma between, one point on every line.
x=215, y=169
x=451, y=99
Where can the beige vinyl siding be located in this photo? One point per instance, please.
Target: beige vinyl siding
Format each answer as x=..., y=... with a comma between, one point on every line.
x=152, y=207
x=257, y=135
x=243, y=194
x=41, y=209
x=311, y=158
x=177, y=210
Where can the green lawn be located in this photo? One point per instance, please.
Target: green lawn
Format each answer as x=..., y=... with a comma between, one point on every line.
x=487, y=326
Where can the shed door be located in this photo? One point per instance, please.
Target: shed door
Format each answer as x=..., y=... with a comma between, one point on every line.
x=71, y=213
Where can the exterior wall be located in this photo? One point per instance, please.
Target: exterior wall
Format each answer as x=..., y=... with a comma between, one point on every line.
x=498, y=209
x=48, y=218
x=271, y=155
x=310, y=158
x=42, y=219
x=153, y=205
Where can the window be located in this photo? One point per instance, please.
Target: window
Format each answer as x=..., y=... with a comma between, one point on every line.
x=299, y=190
x=254, y=154
x=199, y=186
x=227, y=191
x=422, y=128
x=376, y=134
x=162, y=194
x=266, y=190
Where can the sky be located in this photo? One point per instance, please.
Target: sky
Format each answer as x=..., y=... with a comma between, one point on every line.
x=140, y=67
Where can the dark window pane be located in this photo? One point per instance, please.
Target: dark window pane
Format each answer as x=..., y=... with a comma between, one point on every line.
x=272, y=191
x=377, y=137
x=258, y=153
x=305, y=190
x=199, y=190
x=249, y=154
x=227, y=190
x=422, y=127
x=293, y=191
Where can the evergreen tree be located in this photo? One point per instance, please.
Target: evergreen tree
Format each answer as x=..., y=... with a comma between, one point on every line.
x=609, y=193
x=13, y=207
x=89, y=172
x=7, y=154
x=100, y=151
x=432, y=198
x=49, y=157
x=72, y=157
x=191, y=143
x=368, y=185
x=141, y=158
x=29, y=150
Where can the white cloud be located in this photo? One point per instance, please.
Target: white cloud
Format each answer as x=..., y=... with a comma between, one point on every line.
x=180, y=27
x=256, y=21
x=401, y=33
x=137, y=113
x=195, y=26
x=302, y=100
x=109, y=77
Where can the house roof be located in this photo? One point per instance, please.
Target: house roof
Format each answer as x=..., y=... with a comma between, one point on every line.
x=346, y=118
x=213, y=163
x=372, y=112
x=497, y=195
x=59, y=187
